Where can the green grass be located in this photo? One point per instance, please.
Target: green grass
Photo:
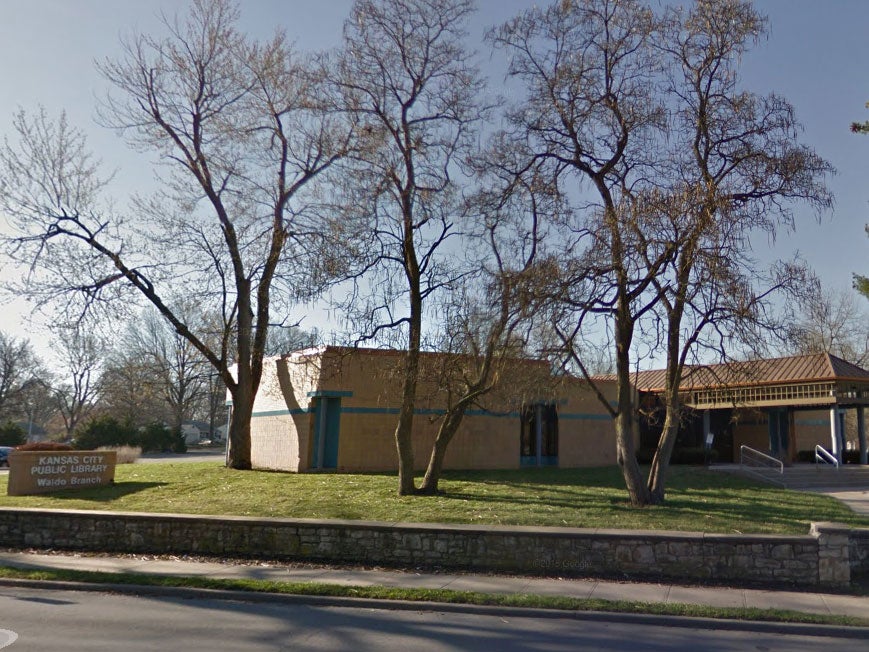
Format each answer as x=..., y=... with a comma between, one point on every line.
x=697, y=499
x=435, y=595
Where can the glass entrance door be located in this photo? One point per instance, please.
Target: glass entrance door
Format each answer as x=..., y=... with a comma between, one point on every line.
x=539, y=435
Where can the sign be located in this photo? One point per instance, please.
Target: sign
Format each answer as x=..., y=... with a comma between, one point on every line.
x=39, y=472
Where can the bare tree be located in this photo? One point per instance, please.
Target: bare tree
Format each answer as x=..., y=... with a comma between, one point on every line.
x=832, y=322
x=177, y=372
x=486, y=321
x=81, y=355
x=409, y=82
x=684, y=167
x=284, y=339
x=18, y=366
x=737, y=170
x=128, y=392
x=241, y=129
x=588, y=111
x=861, y=283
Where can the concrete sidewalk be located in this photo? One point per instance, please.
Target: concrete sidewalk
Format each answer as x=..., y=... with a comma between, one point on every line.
x=856, y=499
x=817, y=603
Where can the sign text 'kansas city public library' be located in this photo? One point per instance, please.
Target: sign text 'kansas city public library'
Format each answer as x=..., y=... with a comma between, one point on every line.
x=38, y=472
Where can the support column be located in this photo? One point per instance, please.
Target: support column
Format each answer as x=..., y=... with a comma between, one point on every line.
x=772, y=430
x=861, y=435
x=836, y=433
x=538, y=430
x=707, y=429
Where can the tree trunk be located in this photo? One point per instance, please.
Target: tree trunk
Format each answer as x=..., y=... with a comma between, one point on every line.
x=627, y=459
x=449, y=427
x=239, y=427
x=244, y=391
x=672, y=403
x=664, y=451
x=626, y=454
x=404, y=428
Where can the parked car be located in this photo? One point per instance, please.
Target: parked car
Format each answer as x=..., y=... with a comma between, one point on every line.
x=4, y=455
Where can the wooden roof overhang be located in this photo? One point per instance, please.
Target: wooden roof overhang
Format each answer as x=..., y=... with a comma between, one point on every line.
x=811, y=382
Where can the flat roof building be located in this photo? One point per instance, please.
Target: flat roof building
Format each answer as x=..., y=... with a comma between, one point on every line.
x=336, y=408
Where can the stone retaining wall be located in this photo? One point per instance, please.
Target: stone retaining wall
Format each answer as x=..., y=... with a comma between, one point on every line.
x=859, y=555
x=830, y=555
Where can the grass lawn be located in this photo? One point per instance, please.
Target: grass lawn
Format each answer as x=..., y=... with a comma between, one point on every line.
x=697, y=499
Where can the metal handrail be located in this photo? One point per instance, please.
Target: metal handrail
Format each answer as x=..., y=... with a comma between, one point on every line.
x=748, y=453
x=825, y=456
x=760, y=460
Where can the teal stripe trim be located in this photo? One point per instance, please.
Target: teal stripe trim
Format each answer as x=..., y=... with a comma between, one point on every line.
x=429, y=412
x=367, y=410
x=812, y=422
x=486, y=413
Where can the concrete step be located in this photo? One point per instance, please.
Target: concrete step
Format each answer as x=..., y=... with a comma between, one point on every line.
x=812, y=477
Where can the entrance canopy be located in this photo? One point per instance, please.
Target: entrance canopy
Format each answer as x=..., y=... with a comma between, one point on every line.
x=778, y=387
x=816, y=381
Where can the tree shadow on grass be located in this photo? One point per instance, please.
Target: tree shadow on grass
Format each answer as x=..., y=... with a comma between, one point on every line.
x=552, y=506
x=106, y=493
x=696, y=498
x=778, y=509
x=609, y=477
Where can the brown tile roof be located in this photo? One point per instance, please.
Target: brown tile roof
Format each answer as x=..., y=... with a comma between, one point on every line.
x=818, y=367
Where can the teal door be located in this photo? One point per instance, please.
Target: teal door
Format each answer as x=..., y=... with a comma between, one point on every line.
x=539, y=435
x=326, y=430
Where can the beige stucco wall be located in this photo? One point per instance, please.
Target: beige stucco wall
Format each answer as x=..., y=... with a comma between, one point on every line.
x=751, y=429
x=282, y=429
x=369, y=416
x=812, y=428
x=586, y=432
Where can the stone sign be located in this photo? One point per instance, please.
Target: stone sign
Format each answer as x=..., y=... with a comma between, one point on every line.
x=39, y=472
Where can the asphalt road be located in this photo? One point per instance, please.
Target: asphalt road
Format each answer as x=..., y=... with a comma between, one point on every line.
x=71, y=621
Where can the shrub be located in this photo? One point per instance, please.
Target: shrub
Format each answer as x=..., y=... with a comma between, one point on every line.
x=696, y=455
x=45, y=446
x=126, y=454
x=805, y=456
x=158, y=437
x=105, y=431
x=11, y=434
x=851, y=457
x=848, y=456
x=180, y=444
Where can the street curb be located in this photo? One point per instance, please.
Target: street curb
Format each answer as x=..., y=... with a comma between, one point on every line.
x=792, y=629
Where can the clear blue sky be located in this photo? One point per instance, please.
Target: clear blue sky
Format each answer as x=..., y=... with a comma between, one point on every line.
x=817, y=56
